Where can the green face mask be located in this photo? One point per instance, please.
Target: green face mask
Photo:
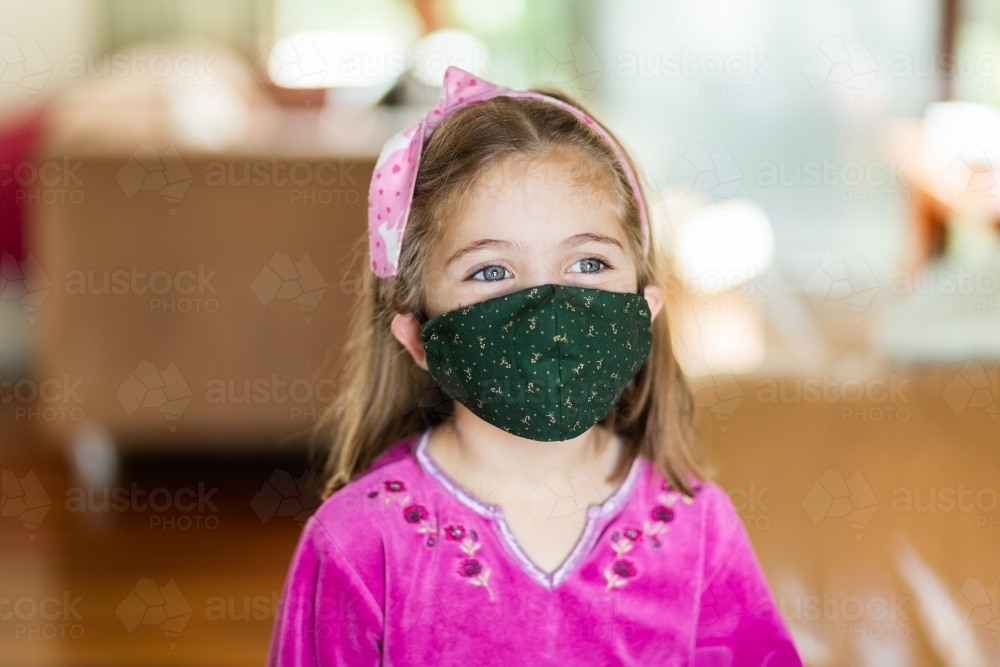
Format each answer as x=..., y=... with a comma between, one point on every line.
x=544, y=363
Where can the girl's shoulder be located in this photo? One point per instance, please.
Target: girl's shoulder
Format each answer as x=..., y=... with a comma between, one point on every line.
x=710, y=509
x=709, y=521
x=394, y=473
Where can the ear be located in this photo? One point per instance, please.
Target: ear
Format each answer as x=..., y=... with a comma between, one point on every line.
x=407, y=330
x=655, y=300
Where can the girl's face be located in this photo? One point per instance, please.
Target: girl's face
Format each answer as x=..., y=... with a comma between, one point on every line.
x=527, y=223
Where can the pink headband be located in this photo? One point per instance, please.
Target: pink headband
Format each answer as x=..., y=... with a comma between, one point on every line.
x=391, y=193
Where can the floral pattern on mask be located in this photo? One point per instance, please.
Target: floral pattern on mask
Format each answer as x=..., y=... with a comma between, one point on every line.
x=544, y=363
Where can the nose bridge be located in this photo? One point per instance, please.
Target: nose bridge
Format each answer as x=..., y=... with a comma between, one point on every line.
x=543, y=268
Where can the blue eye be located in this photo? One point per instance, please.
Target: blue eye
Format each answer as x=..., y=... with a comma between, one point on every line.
x=492, y=273
x=589, y=265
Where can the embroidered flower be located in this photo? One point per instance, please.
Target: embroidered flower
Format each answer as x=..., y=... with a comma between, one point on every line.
x=662, y=513
x=624, y=569
x=621, y=570
x=470, y=567
x=414, y=513
x=454, y=533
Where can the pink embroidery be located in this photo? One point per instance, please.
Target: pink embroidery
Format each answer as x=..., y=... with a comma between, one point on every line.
x=412, y=512
x=621, y=570
x=454, y=533
x=470, y=568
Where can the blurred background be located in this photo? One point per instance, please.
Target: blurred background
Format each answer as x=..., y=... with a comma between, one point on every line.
x=182, y=185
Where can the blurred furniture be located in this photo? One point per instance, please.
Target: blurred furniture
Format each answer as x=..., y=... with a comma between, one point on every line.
x=196, y=311
x=953, y=171
x=192, y=264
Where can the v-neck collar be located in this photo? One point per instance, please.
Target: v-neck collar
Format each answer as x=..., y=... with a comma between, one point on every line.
x=597, y=516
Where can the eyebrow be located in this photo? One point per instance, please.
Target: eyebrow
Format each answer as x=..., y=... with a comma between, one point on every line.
x=497, y=244
x=589, y=237
x=481, y=244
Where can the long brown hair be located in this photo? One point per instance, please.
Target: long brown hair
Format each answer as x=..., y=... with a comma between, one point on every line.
x=385, y=396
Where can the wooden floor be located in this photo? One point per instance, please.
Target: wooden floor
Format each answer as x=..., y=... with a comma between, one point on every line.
x=198, y=586
x=222, y=564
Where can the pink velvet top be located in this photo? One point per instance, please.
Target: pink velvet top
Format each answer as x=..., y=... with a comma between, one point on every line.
x=404, y=567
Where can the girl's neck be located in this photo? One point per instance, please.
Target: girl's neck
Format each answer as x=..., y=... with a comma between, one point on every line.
x=499, y=468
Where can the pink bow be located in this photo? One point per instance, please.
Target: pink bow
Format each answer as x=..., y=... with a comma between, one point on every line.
x=391, y=192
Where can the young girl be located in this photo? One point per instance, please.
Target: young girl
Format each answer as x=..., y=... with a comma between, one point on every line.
x=511, y=479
